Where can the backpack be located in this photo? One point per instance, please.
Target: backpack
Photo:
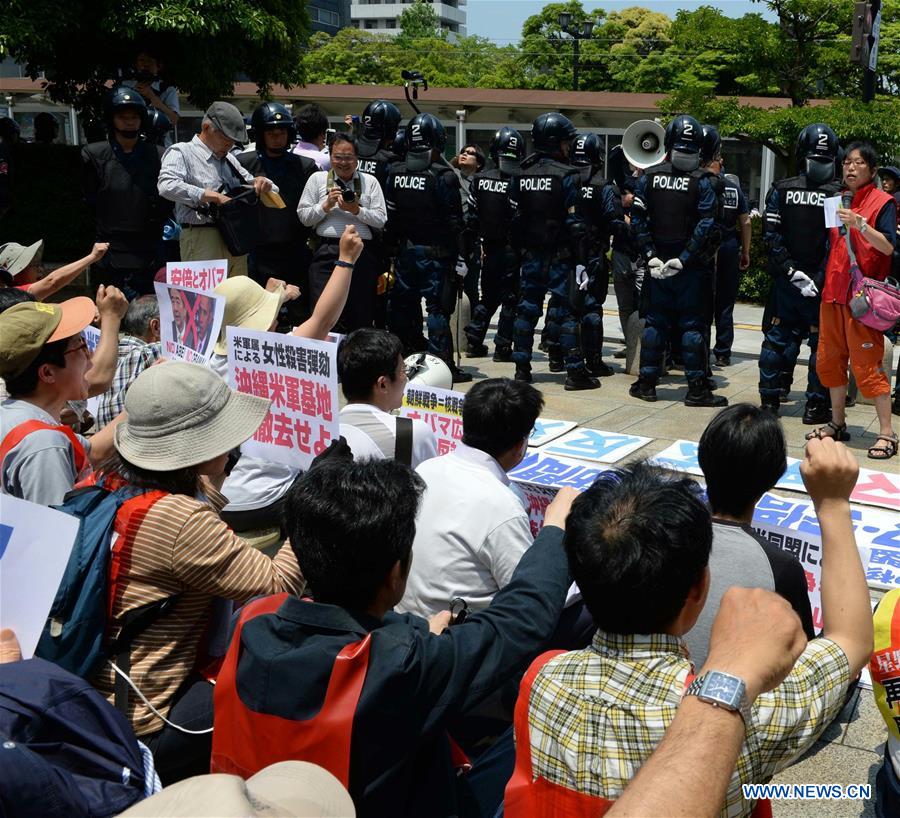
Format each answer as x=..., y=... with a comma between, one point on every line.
x=76, y=627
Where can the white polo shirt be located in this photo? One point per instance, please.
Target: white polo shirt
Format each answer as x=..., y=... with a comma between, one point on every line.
x=363, y=446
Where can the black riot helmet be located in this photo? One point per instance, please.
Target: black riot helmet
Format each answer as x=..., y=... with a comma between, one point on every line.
x=712, y=144
x=121, y=98
x=398, y=146
x=424, y=134
x=684, y=141
x=379, y=123
x=158, y=127
x=550, y=130
x=817, y=152
x=507, y=149
x=272, y=115
x=587, y=150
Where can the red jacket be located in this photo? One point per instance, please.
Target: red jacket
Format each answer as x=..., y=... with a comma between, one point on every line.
x=867, y=202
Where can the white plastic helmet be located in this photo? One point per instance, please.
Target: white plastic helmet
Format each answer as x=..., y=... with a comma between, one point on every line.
x=428, y=370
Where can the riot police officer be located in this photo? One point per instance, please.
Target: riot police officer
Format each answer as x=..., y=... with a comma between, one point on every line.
x=284, y=253
x=549, y=230
x=601, y=209
x=797, y=241
x=674, y=217
x=379, y=124
x=488, y=219
x=425, y=222
x=119, y=181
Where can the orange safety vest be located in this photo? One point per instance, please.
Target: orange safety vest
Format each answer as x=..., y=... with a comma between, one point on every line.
x=18, y=433
x=245, y=741
x=530, y=797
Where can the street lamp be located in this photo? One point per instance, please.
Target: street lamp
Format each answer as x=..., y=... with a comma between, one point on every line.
x=579, y=32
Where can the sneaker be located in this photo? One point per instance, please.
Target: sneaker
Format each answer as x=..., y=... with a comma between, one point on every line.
x=599, y=369
x=476, y=350
x=523, y=373
x=557, y=364
x=579, y=379
x=816, y=413
x=502, y=355
x=723, y=360
x=643, y=390
x=771, y=405
x=700, y=395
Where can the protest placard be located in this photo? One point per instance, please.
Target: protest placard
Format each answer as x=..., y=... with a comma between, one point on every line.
x=197, y=275
x=546, y=430
x=91, y=337
x=441, y=409
x=299, y=376
x=35, y=543
x=540, y=469
x=595, y=445
x=189, y=322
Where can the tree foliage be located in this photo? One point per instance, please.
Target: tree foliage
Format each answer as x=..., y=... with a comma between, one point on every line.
x=79, y=45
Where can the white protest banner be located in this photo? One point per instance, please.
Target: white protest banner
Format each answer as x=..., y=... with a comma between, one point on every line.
x=35, y=543
x=91, y=337
x=535, y=499
x=541, y=469
x=440, y=408
x=595, y=445
x=197, y=275
x=299, y=376
x=189, y=322
x=546, y=430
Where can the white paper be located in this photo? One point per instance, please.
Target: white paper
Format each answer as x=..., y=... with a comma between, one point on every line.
x=830, y=208
x=189, y=322
x=35, y=544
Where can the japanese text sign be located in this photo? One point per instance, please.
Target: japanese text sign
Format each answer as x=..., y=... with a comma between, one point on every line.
x=197, y=275
x=595, y=445
x=441, y=409
x=189, y=322
x=546, y=430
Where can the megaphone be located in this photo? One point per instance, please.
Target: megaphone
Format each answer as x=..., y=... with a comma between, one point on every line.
x=643, y=143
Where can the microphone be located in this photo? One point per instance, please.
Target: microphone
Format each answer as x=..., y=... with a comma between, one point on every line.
x=846, y=201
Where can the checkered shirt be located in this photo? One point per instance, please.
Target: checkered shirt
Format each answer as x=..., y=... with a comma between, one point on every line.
x=596, y=715
x=135, y=356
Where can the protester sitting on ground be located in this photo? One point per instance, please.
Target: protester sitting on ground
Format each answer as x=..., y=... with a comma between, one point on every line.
x=65, y=751
x=372, y=374
x=638, y=543
x=256, y=488
x=182, y=422
x=756, y=636
x=474, y=529
x=24, y=265
x=353, y=527
x=743, y=454
x=44, y=360
x=139, y=347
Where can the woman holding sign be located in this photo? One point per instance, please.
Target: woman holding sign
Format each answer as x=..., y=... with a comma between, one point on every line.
x=866, y=238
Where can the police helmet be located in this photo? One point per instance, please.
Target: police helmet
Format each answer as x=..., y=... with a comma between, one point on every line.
x=425, y=132
x=428, y=370
x=272, y=115
x=550, y=130
x=380, y=120
x=712, y=144
x=508, y=143
x=817, y=151
x=587, y=150
x=158, y=126
x=684, y=134
x=398, y=146
x=122, y=97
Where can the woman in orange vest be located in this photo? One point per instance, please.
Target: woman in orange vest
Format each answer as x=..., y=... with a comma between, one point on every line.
x=870, y=216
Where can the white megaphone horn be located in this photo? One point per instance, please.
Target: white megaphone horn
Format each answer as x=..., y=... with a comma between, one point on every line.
x=643, y=143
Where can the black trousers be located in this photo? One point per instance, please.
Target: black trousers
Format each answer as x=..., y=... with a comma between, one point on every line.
x=359, y=310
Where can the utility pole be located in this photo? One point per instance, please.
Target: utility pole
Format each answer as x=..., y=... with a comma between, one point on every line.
x=864, y=46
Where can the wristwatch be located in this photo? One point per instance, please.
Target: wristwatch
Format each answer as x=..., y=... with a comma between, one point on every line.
x=863, y=225
x=721, y=690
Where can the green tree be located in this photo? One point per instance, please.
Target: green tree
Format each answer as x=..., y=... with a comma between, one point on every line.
x=640, y=55
x=79, y=45
x=419, y=20
x=352, y=57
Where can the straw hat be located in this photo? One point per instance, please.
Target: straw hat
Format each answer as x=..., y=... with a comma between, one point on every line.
x=247, y=305
x=182, y=414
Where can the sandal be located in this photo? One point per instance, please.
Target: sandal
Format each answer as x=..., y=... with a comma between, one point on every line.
x=886, y=450
x=831, y=429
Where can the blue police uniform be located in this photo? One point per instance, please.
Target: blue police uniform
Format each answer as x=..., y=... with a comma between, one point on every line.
x=728, y=271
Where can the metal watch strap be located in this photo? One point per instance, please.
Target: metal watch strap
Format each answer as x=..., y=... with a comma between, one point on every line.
x=694, y=688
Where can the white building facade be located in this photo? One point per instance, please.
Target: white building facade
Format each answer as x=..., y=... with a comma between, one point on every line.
x=381, y=16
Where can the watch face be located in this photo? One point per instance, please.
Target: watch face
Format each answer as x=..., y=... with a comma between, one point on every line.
x=723, y=688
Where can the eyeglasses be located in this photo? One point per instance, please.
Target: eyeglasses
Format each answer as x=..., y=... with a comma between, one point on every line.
x=82, y=346
x=342, y=158
x=468, y=153
x=858, y=162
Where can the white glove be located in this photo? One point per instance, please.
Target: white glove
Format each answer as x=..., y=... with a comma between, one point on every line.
x=655, y=266
x=803, y=283
x=671, y=268
x=461, y=268
x=581, y=276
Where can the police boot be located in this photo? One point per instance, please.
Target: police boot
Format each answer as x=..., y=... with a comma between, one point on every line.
x=785, y=380
x=557, y=364
x=816, y=413
x=644, y=390
x=770, y=404
x=523, y=372
x=476, y=350
x=459, y=376
x=502, y=355
x=578, y=379
x=598, y=368
x=699, y=394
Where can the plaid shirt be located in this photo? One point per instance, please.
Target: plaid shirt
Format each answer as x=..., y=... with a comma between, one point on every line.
x=596, y=715
x=135, y=356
